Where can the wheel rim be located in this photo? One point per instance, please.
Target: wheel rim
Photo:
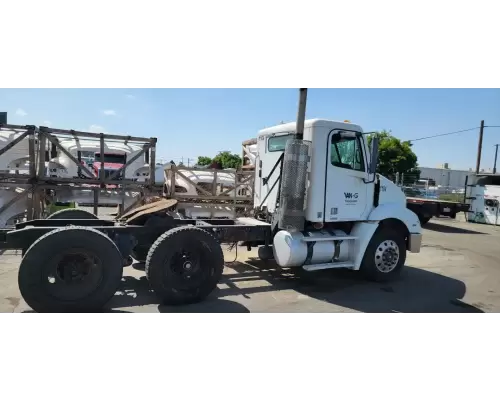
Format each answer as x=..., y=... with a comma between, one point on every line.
x=188, y=267
x=73, y=274
x=387, y=256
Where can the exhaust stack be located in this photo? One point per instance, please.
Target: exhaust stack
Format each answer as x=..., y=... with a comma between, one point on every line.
x=294, y=185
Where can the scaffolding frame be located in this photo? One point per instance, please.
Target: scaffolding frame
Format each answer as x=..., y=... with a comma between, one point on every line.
x=247, y=156
x=37, y=182
x=213, y=193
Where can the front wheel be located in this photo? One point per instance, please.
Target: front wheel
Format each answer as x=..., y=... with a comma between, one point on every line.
x=385, y=255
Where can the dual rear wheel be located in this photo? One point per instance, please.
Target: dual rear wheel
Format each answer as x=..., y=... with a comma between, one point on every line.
x=78, y=269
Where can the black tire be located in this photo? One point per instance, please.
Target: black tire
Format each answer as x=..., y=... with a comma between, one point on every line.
x=70, y=269
x=373, y=262
x=72, y=213
x=167, y=265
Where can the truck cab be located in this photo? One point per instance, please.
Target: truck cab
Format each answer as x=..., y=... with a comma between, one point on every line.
x=331, y=187
x=112, y=162
x=483, y=192
x=340, y=185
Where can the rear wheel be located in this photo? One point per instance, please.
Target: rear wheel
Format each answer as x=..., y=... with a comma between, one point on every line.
x=184, y=265
x=385, y=255
x=70, y=269
x=72, y=213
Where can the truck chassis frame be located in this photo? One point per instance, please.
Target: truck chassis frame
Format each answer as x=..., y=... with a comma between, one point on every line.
x=76, y=265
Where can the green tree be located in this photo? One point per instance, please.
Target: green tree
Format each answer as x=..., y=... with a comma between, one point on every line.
x=202, y=160
x=228, y=160
x=396, y=156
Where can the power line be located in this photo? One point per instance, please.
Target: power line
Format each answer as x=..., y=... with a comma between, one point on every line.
x=492, y=126
x=443, y=134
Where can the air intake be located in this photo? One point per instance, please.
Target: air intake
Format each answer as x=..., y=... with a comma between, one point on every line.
x=293, y=185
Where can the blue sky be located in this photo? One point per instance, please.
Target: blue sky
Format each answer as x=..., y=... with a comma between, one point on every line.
x=192, y=122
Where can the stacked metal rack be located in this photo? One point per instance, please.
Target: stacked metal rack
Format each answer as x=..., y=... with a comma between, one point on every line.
x=210, y=193
x=35, y=184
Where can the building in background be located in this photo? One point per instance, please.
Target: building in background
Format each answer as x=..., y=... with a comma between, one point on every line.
x=445, y=177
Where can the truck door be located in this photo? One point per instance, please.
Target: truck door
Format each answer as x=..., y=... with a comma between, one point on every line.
x=346, y=170
x=270, y=149
x=476, y=211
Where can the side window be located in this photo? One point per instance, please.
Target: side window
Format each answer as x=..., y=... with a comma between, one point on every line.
x=278, y=143
x=346, y=153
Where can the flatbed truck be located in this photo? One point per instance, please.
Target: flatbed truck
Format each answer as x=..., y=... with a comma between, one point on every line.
x=425, y=209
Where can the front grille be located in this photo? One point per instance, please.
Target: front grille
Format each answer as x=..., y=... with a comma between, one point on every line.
x=109, y=172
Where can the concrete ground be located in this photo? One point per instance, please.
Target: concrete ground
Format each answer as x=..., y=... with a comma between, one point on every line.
x=458, y=270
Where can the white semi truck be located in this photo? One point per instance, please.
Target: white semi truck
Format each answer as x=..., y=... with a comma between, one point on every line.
x=331, y=210
x=319, y=204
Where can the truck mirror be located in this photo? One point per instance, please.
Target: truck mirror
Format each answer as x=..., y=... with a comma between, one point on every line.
x=374, y=156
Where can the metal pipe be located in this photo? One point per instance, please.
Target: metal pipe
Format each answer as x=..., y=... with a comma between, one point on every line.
x=301, y=113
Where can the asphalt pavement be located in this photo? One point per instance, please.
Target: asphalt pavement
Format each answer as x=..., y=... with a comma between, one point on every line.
x=457, y=270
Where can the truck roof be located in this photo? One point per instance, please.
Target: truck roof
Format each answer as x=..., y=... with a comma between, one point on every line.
x=291, y=126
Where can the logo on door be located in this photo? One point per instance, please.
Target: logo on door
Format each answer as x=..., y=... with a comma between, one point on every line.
x=351, y=198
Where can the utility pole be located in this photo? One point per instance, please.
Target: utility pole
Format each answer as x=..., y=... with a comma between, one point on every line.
x=479, y=147
x=496, y=154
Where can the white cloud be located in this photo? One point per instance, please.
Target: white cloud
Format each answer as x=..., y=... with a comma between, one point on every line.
x=21, y=112
x=130, y=96
x=109, y=112
x=47, y=123
x=97, y=129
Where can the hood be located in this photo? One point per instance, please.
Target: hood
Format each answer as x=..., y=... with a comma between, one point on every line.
x=109, y=166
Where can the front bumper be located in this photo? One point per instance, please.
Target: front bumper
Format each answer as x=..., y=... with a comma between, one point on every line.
x=414, y=242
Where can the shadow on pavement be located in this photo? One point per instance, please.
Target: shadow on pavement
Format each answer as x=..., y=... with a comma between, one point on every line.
x=450, y=229
x=135, y=292
x=208, y=306
x=417, y=291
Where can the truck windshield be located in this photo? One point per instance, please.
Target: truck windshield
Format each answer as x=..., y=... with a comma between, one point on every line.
x=111, y=158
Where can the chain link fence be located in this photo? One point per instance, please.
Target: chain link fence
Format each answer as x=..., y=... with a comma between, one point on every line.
x=437, y=187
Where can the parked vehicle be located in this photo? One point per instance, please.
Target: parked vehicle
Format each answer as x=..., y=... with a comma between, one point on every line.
x=319, y=204
x=484, y=197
